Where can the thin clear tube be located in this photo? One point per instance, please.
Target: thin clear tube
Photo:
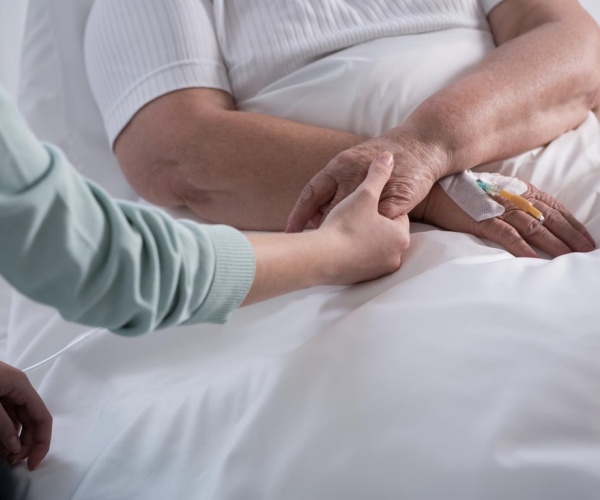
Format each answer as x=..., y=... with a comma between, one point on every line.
x=76, y=341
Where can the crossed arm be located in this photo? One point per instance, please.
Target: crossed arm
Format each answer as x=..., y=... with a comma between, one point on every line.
x=247, y=169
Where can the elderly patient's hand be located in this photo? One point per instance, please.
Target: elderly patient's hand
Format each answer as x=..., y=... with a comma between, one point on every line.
x=514, y=230
x=417, y=167
x=25, y=422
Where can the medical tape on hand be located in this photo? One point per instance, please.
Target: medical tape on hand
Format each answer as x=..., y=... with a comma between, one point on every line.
x=466, y=193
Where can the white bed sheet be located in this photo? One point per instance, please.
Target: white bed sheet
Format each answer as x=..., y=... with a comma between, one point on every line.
x=467, y=374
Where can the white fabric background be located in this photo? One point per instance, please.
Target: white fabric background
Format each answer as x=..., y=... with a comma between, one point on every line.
x=593, y=6
x=12, y=20
x=468, y=374
x=506, y=406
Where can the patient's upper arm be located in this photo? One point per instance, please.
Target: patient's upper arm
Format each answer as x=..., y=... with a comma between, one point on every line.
x=153, y=148
x=512, y=18
x=139, y=50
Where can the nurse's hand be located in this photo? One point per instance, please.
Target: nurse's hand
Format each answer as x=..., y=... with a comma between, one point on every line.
x=364, y=243
x=354, y=244
x=25, y=422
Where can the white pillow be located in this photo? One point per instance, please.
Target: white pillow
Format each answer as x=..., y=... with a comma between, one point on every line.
x=593, y=7
x=419, y=65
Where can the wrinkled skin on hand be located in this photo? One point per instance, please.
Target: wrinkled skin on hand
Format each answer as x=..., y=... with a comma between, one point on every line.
x=412, y=188
x=417, y=168
x=515, y=230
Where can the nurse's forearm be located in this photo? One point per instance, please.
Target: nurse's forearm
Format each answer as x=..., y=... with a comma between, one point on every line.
x=66, y=243
x=23, y=158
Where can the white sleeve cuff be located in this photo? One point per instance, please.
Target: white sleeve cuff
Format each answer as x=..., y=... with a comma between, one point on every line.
x=488, y=5
x=181, y=75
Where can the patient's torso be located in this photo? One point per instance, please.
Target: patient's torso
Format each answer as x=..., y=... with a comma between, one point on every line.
x=264, y=40
x=139, y=50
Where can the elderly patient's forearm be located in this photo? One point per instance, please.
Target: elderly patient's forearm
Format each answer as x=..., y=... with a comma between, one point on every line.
x=527, y=92
x=233, y=167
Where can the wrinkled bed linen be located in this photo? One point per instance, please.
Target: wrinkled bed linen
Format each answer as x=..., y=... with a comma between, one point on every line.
x=467, y=374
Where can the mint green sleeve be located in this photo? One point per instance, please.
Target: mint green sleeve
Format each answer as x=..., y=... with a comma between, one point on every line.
x=129, y=268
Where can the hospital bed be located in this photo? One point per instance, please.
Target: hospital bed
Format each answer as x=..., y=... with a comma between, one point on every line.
x=468, y=374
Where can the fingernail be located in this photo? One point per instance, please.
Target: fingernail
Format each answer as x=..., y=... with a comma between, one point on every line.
x=386, y=157
x=14, y=444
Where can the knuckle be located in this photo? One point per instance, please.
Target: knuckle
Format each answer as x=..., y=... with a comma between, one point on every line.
x=404, y=242
x=388, y=208
x=394, y=261
x=552, y=214
x=478, y=228
x=308, y=192
x=47, y=419
x=545, y=198
x=346, y=156
x=17, y=378
x=350, y=157
x=410, y=190
x=401, y=192
x=399, y=246
x=380, y=170
x=508, y=235
x=510, y=211
x=534, y=228
x=368, y=191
